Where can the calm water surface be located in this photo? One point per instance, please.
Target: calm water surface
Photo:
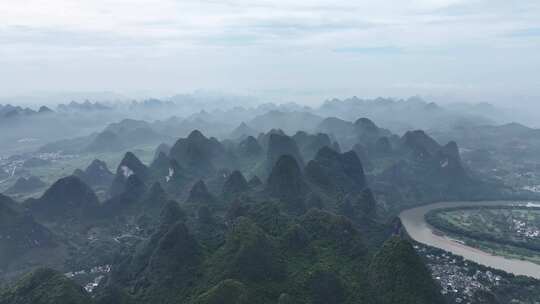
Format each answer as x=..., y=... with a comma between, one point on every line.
x=414, y=222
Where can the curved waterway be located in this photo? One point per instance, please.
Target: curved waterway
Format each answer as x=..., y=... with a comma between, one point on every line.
x=414, y=222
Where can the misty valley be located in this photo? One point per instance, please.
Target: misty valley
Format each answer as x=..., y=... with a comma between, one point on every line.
x=269, y=152
x=203, y=199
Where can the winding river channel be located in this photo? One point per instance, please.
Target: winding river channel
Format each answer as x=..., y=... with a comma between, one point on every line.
x=414, y=222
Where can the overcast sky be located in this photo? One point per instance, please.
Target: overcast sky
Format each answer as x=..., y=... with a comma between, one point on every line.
x=479, y=50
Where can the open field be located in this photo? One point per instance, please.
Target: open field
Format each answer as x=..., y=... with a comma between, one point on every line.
x=513, y=232
x=62, y=165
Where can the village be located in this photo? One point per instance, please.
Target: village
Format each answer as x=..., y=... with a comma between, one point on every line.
x=459, y=280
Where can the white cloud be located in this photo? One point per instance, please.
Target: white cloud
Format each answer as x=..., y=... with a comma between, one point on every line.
x=182, y=44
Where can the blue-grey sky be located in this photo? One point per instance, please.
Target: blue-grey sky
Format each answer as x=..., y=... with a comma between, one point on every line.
x=478, y=50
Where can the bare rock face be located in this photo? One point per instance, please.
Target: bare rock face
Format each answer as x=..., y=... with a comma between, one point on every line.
x=130, y=165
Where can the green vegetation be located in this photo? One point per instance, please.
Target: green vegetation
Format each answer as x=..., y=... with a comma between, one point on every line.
x=271, y=256
x=400, y=276
x=45, y=286
x=67, y=164
x=189, y=228
x=227, y=291
x=513, y=232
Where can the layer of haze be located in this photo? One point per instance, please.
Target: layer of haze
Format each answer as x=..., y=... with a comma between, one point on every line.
x=304, y=51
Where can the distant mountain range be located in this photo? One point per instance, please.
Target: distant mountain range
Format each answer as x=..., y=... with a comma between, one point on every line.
x=286, y=206
x=12, y=112
x=307, y=234
x=82, y=106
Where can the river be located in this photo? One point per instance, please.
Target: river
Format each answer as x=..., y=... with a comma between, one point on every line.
x=413, y=221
